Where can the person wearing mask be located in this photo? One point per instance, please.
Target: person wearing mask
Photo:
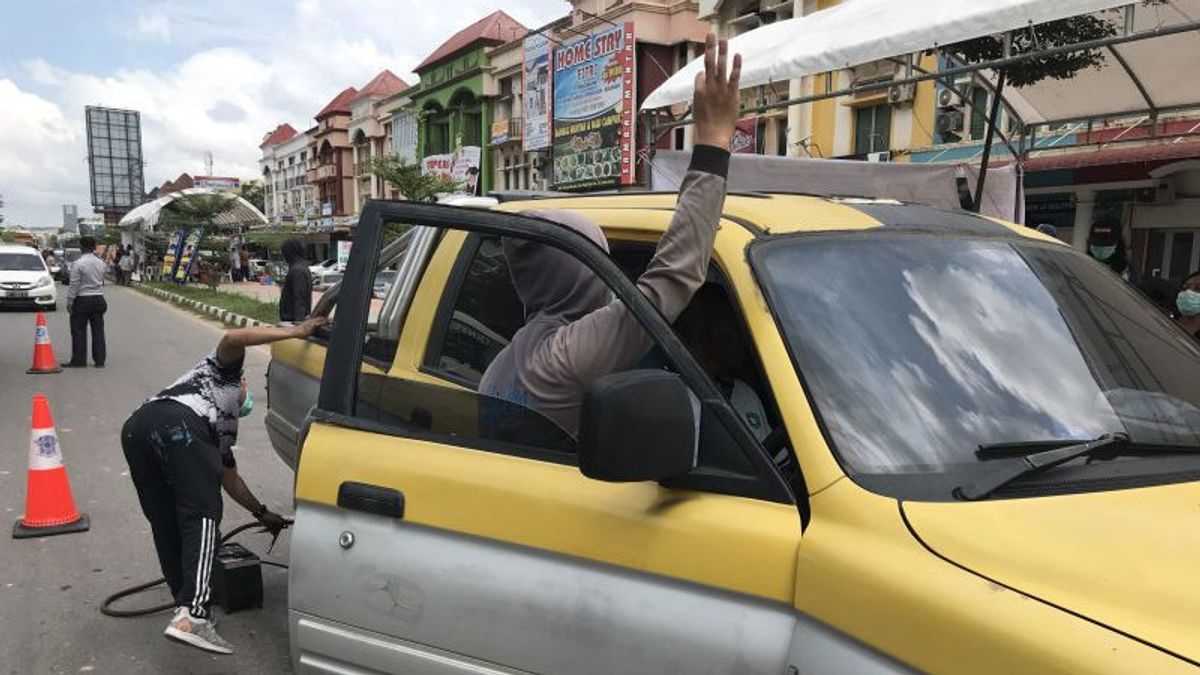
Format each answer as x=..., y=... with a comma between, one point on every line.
x=1188, y=304
x=572, y=333
x=295, y=297
x=179, y=447
x=1106, y=245
x=86, y=305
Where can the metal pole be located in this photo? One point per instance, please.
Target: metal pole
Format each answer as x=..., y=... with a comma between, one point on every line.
x=999, y=64
x=987, y=141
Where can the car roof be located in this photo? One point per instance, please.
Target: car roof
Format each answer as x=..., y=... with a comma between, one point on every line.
x=18, y=248
x=780, y=213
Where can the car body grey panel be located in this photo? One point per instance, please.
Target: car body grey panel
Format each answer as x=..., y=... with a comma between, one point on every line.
x=291, y=393
x=519, y=607
x=819, y=648
x=372, y=653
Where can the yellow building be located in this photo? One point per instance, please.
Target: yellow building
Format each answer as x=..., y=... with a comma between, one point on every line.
x=883, y=125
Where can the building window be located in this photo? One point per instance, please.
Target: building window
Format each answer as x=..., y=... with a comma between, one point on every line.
x=872, y=129
x=472, y=131
x=979, y=112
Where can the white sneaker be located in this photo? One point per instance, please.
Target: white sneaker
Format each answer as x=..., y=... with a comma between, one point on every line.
x=196, y=632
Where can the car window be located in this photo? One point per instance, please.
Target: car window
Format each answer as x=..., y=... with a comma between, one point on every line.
x=480, y=312
x=21, y=262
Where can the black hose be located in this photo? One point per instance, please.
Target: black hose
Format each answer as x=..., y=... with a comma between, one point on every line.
x=107, y=610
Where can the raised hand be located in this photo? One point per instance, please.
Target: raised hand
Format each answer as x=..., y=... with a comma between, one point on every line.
x=717, y=99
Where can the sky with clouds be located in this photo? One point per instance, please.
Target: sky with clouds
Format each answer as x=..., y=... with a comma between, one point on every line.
x=211, y=76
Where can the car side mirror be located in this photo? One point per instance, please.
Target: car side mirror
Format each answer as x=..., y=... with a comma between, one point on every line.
x=638, y=425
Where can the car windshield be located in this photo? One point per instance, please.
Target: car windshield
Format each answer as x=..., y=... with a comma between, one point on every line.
x=71, y=256
x=918, y=349
x=21, y=262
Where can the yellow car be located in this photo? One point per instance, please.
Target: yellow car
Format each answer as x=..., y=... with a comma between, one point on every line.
x=934, y=442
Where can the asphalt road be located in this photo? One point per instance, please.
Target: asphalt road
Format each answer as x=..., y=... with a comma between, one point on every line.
x=51, y=588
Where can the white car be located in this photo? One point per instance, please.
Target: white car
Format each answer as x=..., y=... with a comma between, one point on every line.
x=25, y=280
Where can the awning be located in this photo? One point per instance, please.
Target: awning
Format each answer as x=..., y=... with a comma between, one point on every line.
x=146, y=216
x=1138, y=77
x=1150, y=155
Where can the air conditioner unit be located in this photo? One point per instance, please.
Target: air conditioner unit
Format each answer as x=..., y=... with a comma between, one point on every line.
x=901, y=93
x=1162, y=193
x=950, y=122
x=885, y=156
x=949, y=98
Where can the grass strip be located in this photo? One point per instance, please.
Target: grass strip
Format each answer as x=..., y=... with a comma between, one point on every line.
x=267, y=312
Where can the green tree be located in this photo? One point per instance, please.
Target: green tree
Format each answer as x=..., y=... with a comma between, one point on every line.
x=408, y=178
x=1073, y=30
x=253, y=192
x=196, y=210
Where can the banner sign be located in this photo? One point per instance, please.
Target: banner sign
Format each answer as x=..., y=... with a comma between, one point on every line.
x=191, y=250
x=535, y=78
x=343, y=253
x=223, y=183
x=499, y=132
x=593, y=110
x=171, y=257
x=462, y=166
x=745, y=136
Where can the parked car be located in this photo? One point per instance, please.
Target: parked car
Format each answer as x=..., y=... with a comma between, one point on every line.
x=258, y=267
x=383, y=283
x=318, y=270
x=25, y=280
x=68, y=258
x=976, y=453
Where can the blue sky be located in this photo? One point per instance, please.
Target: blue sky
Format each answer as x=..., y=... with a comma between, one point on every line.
x=207, y=76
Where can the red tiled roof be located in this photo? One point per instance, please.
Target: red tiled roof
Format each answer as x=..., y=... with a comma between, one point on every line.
x=280, y=134
x=382, y=85
x=1145, y=154
x=495, y=28
x=340, y=103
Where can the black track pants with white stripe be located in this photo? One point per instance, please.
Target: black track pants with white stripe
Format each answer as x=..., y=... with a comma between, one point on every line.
x=177, y=470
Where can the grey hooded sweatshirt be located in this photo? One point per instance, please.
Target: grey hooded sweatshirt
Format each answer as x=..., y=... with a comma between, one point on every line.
x=573, y=334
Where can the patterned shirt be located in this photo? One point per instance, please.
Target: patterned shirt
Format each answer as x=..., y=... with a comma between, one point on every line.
x=212, y=391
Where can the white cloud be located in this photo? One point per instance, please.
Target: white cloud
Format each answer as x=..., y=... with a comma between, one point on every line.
x=247, y=67
x=153, y=26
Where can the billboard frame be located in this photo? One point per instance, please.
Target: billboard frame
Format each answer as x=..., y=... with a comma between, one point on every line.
x=114, y=143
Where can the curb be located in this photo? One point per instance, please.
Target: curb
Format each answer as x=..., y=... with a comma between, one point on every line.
x=224, y=315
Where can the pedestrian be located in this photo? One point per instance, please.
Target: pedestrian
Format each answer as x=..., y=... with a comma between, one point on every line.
x=1106, y=244
x=179, y=447
x=295, y=297
x=235, y=264
x=125, y=264
x=1188, y=304
x=86, y=305
x=115, y=259
x=573, y=333
x=244, y=259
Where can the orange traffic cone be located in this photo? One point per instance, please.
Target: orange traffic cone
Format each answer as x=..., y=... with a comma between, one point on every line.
x=43, y=351
x=49, y=507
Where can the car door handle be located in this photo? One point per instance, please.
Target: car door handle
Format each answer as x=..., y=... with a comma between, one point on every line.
x=371, y=499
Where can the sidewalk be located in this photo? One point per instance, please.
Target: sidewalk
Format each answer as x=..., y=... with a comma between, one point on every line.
x=253, y=289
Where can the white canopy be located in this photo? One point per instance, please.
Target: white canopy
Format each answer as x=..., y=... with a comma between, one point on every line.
x=856, y=32
x=146, y=216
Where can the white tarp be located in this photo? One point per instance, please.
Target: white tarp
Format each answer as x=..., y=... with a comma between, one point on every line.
x=145, y=217
x=931, y=184
x=860, y=31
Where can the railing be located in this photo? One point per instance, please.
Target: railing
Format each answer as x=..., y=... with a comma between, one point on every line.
x=324, y=172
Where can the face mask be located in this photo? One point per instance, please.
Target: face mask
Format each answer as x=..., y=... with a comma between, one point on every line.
x=247, y=405
x=1188, y=302
x=1103, y=252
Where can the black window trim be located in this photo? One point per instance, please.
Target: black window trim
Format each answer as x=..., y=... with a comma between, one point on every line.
x=339, y=382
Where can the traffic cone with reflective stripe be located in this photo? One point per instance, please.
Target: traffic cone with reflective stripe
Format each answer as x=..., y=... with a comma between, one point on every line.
x=43, y=351
x=49, y=507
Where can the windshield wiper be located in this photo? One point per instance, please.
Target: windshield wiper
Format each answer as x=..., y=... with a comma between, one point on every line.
x=1019, y=467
